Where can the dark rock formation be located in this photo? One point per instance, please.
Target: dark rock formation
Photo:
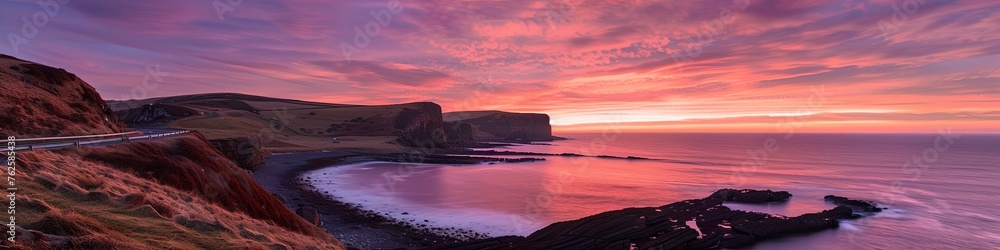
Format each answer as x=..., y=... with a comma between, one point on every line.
x=155, y=113
x=667, y=227
x=41, y=101
x=460, y=134
x=421, y=126
x=751, y=196
x=246, y=152
x=505, y=125
x=309, y=213
x=857, y=205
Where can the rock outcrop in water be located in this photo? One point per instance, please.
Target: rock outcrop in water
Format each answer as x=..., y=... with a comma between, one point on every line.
x=864, y=206
x=751, y=196
x=669, y=226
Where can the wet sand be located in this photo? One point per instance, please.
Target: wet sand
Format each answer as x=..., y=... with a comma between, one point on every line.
x=352, y=225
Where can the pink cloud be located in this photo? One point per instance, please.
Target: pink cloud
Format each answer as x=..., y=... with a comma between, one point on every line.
x=574, y=59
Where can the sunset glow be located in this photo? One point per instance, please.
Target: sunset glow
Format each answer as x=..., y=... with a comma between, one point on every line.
x=684, y=66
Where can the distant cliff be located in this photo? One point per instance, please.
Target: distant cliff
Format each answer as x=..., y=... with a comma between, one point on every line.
x=503, y=125
x=421, y=126
x=460, y=133
x=40, y=101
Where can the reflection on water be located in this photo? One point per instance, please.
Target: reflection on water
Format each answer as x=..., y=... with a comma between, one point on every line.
x=954, y=201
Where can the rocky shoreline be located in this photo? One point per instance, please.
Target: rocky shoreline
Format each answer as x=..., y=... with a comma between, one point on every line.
x=691, y=224
x=354, y=226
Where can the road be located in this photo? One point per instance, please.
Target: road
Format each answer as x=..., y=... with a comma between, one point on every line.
x=22, y=144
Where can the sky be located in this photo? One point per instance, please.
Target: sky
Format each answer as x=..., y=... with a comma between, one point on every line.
x=632, y=65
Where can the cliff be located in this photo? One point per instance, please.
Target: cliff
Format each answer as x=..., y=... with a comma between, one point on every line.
x=421, y=126
x=42, y=101
x=504, y=125
x=460, y=134
x=247, y=152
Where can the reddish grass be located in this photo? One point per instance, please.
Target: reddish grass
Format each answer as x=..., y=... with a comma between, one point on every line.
x=126, y=211
x=40, y=101
x=138, y=200
x=66, y=223
x=189, y=163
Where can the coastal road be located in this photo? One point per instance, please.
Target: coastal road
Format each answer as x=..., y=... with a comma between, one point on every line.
x=94, y=140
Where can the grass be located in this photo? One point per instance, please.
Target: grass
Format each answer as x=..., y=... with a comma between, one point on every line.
x=41, y=101
x=122, y=209
x=284, y=139
x=291, y=126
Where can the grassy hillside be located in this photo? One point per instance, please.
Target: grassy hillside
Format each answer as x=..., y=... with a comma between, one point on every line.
x=282, y=124
x=40, y=101
x=177, y=193
x=149, y=195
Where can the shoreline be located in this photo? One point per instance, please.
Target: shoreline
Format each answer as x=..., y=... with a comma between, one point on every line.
x=352, y=225
x=357, y=227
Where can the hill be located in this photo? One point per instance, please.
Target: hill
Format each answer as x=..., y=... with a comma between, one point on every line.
x=42, y=101
x=177, y=193
x=152, y=195
x=291, y=125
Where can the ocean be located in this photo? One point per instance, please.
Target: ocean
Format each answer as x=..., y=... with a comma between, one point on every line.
x=941, y=189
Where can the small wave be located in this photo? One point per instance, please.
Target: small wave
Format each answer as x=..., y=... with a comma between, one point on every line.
x=849, y=226
x=698, y=163
x=893, y=213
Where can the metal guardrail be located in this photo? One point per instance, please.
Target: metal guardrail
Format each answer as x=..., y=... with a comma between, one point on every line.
x=114, y=138
x=66, y=138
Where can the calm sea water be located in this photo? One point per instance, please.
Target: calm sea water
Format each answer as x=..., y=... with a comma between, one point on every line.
x=942, y=190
